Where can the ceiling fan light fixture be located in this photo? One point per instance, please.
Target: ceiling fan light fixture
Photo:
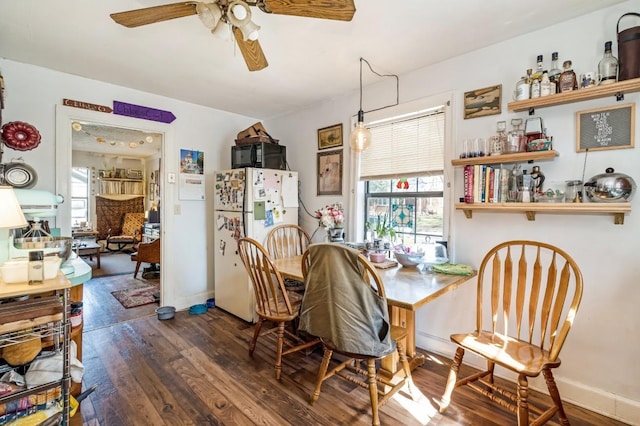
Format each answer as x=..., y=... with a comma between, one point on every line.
x=222, y=31
x=250, y=31
x=209, y=14
x=240, y=10
x=238, y=13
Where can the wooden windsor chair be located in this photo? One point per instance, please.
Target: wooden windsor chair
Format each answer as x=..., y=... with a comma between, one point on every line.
x=527, y=299
x=274, y=303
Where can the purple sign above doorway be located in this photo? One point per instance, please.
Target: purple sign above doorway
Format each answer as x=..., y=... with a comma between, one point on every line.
x=142, y=112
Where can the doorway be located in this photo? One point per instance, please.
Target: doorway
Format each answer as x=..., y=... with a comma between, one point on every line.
x=125, y=164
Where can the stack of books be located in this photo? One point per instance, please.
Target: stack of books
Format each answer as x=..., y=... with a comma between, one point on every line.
x=485, y=184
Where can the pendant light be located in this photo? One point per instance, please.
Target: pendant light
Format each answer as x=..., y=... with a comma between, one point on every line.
x=360, y=137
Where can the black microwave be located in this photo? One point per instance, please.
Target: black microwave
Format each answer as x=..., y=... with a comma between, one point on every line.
x=262, y=155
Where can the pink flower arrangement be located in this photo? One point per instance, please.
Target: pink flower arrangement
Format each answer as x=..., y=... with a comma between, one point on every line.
x=331, y=216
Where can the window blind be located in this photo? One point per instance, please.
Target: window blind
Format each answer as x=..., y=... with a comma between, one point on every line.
x=406, y=147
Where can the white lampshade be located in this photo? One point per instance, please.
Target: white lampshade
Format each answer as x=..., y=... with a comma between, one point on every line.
x=209, y=14
x=222, y=31
x=238, y=13
x=12, y=216
x=250, y=31
x=360, y=137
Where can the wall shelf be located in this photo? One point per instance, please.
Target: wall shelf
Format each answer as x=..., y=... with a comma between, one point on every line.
x=516, y=157
x=618, y=210
x=617, y=89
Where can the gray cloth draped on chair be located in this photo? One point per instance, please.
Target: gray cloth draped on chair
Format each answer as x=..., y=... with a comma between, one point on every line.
x=338, y=306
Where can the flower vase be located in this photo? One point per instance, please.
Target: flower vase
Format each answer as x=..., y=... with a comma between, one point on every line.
x=336, y=235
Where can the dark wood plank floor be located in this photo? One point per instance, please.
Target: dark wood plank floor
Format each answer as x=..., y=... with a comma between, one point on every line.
x=195, y=370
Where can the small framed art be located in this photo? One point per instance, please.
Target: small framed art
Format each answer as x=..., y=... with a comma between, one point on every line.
x=330, y=137
x=330, y=172
x=483, y=102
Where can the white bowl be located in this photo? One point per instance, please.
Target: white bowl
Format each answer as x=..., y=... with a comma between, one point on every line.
x=407, y=259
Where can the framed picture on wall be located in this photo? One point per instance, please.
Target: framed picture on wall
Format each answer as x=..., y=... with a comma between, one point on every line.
x=330, y=137
x=483, y=102
x=330, y=172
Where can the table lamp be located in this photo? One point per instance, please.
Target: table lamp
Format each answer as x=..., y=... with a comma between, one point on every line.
x=11, y=216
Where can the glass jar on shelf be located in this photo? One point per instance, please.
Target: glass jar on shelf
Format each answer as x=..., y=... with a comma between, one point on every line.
x=515, y=138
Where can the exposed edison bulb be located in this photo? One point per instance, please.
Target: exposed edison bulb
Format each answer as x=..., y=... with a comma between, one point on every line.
x=360, y=137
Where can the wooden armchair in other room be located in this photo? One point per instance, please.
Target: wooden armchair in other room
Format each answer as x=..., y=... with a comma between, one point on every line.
x=132, y=224
x=147, y=252
x=528, y=296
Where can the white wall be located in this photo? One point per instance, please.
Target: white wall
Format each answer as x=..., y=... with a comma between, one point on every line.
x=32, y=94
x=599, y=358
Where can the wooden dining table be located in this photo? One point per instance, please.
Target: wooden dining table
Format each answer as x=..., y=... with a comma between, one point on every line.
x=407, y=289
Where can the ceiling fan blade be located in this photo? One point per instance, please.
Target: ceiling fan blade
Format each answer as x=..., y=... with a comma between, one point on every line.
x=151, y=15
x=251, y=52
x=340, y=10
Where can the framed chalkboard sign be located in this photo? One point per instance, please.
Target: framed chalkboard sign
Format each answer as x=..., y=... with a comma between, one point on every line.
x=606, y=128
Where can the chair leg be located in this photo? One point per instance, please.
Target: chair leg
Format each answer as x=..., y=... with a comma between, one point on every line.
x=279, y=345
x=490, y=367
x=135, y=273
x=523, y=400
x=451, y=380
x=555, y=395
x=322, y=371
x=256, y=334
x=373, y=391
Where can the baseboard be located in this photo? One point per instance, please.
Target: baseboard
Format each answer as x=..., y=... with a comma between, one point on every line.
x=596, y=400
x=183, y=303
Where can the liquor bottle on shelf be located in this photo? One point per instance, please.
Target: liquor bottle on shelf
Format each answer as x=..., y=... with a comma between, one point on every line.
x=608, y=66
x=554, y=72
x=567, y=80
x=535, y=89
x=545, y=85
x=538, y=73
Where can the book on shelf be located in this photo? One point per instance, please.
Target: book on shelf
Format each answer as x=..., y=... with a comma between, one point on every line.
x=468, y=184
x=485, y=184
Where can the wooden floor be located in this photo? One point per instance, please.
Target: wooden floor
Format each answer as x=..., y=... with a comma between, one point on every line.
x=195, y=370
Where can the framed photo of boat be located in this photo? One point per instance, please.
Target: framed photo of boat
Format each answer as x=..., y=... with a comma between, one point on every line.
x=483, y=102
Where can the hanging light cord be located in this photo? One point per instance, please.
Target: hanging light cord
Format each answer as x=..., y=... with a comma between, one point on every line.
x=379, y=75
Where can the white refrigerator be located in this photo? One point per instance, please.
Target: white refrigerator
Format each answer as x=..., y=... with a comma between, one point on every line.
x=247, y=202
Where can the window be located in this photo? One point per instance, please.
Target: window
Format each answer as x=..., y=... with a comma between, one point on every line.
x=79, y=195
x=403, y=175
x=414, y=213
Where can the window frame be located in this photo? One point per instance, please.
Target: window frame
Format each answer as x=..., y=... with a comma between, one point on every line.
x=356, y=202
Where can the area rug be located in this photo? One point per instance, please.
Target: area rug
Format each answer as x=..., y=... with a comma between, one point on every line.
x=132, y=297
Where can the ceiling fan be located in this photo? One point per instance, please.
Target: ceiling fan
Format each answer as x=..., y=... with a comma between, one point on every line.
x=218, y=15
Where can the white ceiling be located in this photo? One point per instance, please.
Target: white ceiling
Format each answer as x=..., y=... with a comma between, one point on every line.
x=310, y=60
